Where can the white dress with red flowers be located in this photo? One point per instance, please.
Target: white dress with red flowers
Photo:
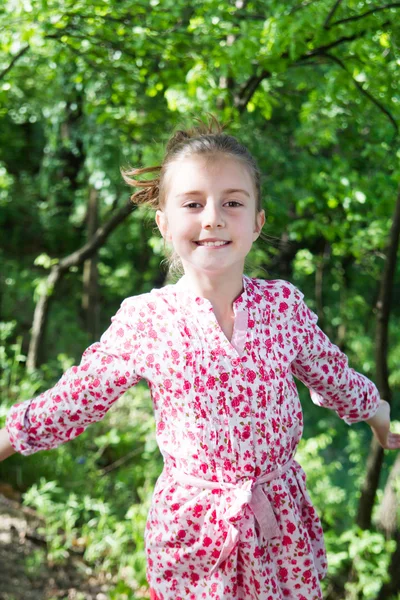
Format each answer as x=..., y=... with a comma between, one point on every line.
x=231, y=518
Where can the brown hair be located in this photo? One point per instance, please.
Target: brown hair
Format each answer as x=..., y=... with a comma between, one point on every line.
x=205, y=139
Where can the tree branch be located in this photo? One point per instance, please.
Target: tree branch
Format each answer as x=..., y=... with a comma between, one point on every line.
x=365, y=14
x=13, y=61
x=370, y=97
x=331, y=13
x=243, y=97
x=247, y=90
x=323, y=49
x=79, y=256
x=58, y=270
x=301, y=6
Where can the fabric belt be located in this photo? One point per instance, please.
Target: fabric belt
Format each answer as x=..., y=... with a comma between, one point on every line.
x=251, y=493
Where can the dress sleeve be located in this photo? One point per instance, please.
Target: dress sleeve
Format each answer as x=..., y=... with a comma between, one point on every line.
x=84, y=393
x=324, y=369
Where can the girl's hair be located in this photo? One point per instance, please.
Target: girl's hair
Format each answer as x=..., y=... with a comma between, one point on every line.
x=205, y=139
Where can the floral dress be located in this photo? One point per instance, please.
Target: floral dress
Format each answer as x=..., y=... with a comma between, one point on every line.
x=230, y=518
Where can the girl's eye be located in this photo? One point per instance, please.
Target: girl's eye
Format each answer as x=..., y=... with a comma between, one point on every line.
x=233, y=203
x=192, y=205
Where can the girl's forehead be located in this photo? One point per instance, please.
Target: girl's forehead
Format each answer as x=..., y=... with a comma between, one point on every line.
x=203, y=170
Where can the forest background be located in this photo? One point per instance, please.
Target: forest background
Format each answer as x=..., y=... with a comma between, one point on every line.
x=87, y=87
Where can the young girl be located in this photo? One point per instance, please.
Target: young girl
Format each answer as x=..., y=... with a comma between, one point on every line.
x=230, y=517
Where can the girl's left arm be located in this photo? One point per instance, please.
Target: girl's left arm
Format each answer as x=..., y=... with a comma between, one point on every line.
x=380, y=425
x=324, y=369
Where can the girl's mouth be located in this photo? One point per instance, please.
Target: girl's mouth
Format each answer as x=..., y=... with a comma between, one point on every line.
x=212, y=243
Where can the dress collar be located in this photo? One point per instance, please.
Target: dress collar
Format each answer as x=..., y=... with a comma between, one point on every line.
x=184, y=292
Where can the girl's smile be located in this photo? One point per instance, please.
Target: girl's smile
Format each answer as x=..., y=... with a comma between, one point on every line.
x=212, y=243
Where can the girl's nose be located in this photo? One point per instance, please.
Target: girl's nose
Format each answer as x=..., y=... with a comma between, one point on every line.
x=213, y=218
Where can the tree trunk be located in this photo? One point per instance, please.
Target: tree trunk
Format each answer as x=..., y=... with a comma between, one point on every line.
x=388, y=510
x=90, y=296
x=341, y=336
x=383, y=308
x=322, y=259
x=392, y=587
x=370, y=485
x=40, y=318
x=375, y=458
x=57, y=272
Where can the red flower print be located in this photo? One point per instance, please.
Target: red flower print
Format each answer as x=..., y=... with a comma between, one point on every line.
x=283, y=574
x=283, y=307
x=291, y=527
x=75, y=417
x=211, y=382
x=307, y=576
x=251, y=375
x=246, y=432
x=286, y=540
x=194, y=577
x=224, y=377
x=197, y=511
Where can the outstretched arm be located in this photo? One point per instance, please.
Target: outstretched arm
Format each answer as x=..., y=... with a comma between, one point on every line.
x=84, y=393
x=325, y=370
x=380, y=425
x=6, y=448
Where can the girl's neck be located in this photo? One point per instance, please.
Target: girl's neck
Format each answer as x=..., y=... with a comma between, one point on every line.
x=221, y=289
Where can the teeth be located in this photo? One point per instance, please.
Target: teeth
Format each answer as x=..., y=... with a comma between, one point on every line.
x=212, y=243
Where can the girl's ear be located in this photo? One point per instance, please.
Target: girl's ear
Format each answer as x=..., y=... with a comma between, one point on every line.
x=161, y=221
x=260, y=220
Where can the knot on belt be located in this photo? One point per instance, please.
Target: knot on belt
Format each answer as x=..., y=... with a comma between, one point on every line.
x=244, y=496
x=249, y=493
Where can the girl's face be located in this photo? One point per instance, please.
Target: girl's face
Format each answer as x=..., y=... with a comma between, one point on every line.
x=210, y=214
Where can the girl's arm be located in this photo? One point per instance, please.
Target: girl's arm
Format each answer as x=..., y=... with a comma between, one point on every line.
x=380, y=425
x=6, y=448
x=84, y=393
x=324, y=369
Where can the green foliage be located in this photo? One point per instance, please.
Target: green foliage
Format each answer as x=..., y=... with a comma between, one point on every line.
x=88, y=87
x=369, y=554
x=98, y=506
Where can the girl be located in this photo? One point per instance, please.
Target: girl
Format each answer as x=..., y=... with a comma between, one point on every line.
x=230, y=517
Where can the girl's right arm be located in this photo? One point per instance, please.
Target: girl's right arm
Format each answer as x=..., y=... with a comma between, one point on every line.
x=6, y=449
x=84, y=393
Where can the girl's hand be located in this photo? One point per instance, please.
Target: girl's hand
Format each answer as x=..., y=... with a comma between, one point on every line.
x=6, y=449
x=380, y=425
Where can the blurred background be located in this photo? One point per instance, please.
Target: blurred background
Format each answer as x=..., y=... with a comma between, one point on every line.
x=88, y=87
